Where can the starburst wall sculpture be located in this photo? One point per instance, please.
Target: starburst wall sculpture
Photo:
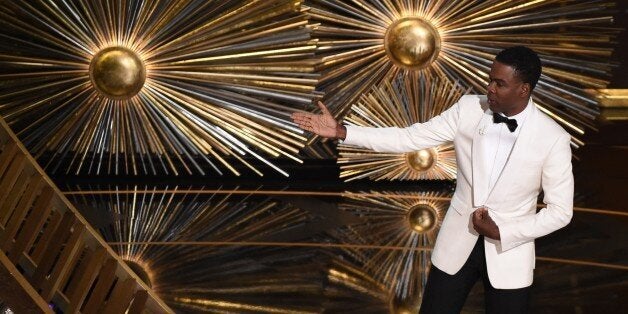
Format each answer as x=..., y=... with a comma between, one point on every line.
x=155, y=87
x=412, y=97
x=365, y=42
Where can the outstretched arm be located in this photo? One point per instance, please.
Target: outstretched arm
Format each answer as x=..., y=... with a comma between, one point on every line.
x=320, y=124
x=438, y=130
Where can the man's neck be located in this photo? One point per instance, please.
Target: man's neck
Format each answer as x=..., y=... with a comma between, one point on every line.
x=519, y=109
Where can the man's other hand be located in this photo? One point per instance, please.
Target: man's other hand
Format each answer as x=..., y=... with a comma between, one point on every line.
x=484, y=224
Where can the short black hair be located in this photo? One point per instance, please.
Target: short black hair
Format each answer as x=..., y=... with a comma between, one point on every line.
x=524, y=61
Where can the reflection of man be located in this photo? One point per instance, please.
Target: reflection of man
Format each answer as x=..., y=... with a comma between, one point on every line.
x=506, y=150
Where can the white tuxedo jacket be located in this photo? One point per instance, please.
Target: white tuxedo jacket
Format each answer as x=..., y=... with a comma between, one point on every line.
x=540, y=159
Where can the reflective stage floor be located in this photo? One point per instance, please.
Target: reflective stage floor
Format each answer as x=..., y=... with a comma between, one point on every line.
x=310, y=251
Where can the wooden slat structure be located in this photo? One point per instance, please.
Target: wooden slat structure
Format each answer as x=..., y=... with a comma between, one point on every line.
x=51, y=252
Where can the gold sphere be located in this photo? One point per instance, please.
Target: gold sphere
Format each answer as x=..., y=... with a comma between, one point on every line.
x=412, y=43
x=408, y=305
x=422, y=218
x=117, y=72
x=421, y=160
x=140, y=271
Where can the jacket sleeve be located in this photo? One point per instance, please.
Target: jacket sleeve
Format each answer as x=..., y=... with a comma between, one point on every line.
x=438, y=130
x=558, y=188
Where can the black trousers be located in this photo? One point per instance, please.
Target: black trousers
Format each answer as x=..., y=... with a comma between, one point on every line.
x=446, y=293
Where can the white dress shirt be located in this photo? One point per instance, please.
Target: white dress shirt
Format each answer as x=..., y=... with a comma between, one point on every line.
x=500, y=143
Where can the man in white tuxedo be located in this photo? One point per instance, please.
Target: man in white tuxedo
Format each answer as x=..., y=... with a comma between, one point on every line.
x=507, y=150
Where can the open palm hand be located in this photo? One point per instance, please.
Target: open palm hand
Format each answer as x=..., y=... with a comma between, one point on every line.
x=321, y=124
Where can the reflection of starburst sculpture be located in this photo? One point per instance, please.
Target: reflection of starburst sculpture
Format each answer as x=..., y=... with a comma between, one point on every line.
x=191, y=276
x=363, y=42
x=244, y=280
x=411, y=98
x=395, y=221
x=350, y=290
x=141, y=87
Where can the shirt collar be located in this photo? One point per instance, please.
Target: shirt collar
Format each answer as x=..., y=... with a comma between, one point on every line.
x=520, y=117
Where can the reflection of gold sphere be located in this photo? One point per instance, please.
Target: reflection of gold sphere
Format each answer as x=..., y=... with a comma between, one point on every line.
x=409, y=305
x=422, y=218
x=140, y=272
x=117, y=72
x=412, y=43
x=421, y=160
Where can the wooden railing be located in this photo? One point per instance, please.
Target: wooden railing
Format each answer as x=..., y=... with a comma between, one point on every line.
x=67, y=264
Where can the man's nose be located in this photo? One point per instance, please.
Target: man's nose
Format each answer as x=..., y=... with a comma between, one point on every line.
x=491, y=88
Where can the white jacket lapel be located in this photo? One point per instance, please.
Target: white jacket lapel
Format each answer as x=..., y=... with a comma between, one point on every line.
x=480, y=179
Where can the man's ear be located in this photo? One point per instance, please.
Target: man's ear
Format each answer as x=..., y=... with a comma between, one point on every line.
x=525, y=90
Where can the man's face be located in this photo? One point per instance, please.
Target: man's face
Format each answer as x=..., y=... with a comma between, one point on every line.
x=506, y=92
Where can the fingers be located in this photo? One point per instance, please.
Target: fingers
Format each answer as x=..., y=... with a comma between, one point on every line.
x=323, y=108
x=304, y=124
x=300, y=116
x=475, y=218
x=321, y=124
x=476, y=223
x=306, y=117
x=303, y=120
x=479, y=213
x=482, y=212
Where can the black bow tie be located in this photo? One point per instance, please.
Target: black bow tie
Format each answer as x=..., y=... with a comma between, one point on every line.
x=511, y=123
